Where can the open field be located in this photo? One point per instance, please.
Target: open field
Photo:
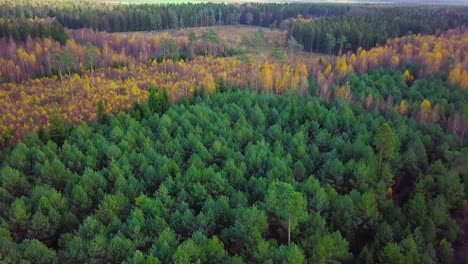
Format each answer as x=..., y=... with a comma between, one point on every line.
x=231, y=37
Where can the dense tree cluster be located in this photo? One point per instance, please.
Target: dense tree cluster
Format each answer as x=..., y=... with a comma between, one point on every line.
x=118, y=18
x=196, y=146
x=25, y=103
x=233, y=178
x=261, y=65
x=416, y=56
x=20, y=29
x=429, y=99
x=90, y=50
x=338, y=34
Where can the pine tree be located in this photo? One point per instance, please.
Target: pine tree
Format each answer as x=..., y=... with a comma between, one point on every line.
x=59, y=129
x=158, y=100
x=386, y=142
x=101, y=111
x=287, y=204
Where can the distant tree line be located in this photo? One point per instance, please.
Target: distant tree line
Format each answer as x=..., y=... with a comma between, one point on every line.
x=341, y=33
x=327, y=28
x=121, y=18
x=22, y=28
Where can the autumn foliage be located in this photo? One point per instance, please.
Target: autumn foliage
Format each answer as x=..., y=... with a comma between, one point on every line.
x=433, y=53
x=119, y=68
x=29, y=104
x=40, y=57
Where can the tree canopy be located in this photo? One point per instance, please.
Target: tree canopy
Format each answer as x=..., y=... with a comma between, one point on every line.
x=228, y=178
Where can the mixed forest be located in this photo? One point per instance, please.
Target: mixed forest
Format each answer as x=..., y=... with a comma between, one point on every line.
x=233, y=133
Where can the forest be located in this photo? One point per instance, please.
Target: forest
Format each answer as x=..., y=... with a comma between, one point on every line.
x=342, y=33
x=118, y=18
x=233, y=133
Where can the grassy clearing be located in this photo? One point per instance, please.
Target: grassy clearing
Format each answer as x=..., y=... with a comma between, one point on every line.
x=230, y=35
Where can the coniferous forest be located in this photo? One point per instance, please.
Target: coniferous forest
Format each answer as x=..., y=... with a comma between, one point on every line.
x=233, y=133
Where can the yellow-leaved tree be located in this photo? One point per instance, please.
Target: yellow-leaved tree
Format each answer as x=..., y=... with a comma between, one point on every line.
x=408, y=77
x=425, y=110
x=403, y=109
x=267, y=77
